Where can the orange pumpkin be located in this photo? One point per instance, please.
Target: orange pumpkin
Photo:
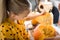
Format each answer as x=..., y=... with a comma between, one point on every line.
x=38, y=35
x=44, y=31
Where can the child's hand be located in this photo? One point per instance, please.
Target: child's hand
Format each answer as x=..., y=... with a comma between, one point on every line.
x=32, y=15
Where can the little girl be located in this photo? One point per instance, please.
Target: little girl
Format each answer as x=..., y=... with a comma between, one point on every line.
x=13, y=27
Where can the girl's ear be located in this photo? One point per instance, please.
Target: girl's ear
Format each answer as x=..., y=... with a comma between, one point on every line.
x=11, y=15
x=16, y=17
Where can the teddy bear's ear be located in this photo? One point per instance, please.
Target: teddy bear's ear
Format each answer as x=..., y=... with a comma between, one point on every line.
x=44, y=31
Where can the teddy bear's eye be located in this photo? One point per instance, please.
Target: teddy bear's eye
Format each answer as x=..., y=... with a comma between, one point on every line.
x=41, y=7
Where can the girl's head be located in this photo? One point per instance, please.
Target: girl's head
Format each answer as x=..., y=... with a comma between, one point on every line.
x=18, y=9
